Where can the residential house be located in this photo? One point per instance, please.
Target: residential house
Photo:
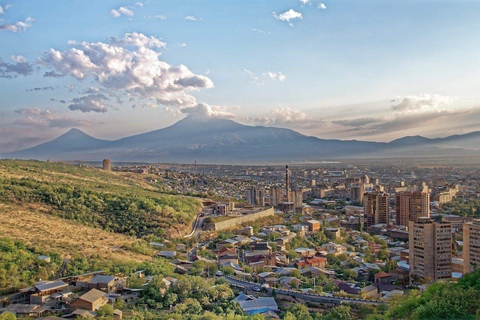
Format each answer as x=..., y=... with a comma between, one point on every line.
x=267, y=278
x=317, y=262
x=91, y=301
x=253, y=305
x=108, y=284
x=333, y=233
x=261, y=248
x=383, y=278
x=45, y=289
x=314, y=225
x=289, y=282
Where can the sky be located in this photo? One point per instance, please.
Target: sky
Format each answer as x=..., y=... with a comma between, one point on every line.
x=343, y=69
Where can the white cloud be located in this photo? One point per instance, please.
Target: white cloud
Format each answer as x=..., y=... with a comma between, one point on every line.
x=423, y=103
x=260, y=31
x=288, y=16
x=1, y=10
x=289, y=117
x=192, y=18
x=259, y=79
x=122, y=11
x=322, y=6
x=90, y=103
x=137, y=73
x=18, y=26
x=138, y=40
x=304, y=2
x=276, y=76
x=38, y=118
x=139, y=4
x=157, y=16
x=204, y=111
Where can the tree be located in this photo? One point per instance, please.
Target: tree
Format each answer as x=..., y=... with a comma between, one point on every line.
x=105, y=310
x=339, y=313
x=119, y=304
x=300, y=312
x=7, y=316
x=289, y=316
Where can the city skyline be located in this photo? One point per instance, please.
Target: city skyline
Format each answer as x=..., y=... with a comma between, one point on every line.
x=369, y=71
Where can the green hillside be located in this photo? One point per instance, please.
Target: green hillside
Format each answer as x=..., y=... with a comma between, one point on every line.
x=119, y=202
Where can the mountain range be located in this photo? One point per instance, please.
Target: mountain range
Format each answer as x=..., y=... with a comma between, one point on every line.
x=223, y=141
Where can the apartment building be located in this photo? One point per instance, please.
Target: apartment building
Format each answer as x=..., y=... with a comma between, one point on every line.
x=430, y=249
x=471, y=246
x=412, y=205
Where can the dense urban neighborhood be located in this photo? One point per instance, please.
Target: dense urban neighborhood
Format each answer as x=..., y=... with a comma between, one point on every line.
x=332, y=242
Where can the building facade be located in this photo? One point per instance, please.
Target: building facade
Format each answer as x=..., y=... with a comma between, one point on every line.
x=375, y=208
x=471, y=246
x=412, y=205
x=430, y=249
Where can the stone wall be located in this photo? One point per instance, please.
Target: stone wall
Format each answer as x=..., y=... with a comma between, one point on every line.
x=237, y=222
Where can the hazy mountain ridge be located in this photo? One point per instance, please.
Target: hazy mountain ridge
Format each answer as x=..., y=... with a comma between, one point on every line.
x=225, y=141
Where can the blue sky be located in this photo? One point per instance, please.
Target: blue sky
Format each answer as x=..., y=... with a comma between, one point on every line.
x=370, y=70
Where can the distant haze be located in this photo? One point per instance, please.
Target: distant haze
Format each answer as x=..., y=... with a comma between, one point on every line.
x=216, y=140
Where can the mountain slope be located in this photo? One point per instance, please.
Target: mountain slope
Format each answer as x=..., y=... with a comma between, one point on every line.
x=214, y=140
x=71, y=142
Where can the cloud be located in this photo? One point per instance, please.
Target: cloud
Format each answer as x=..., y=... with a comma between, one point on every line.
x=38, y=118
x=136, y=72
x=422, y=103
x=259, y=79
x=205, y=111
x=322, y=6
x=288, y=16
x=18, y=26
x=1, y=10
x=288, y=117
x=91, y=90
x=192, y=18
x=137, y=40
x=149, y=105
x=275, y=76
x=157, y=16
x=122, y=11
x=12, y=70
x=260, y=31
x=359, y=122
x=304, y=2
x=56, y=100
x=90, y=103
x=40, y=89
x=409, y=112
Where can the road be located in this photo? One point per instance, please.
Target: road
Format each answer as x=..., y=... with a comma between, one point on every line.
x=305, y=296
x=197, y=227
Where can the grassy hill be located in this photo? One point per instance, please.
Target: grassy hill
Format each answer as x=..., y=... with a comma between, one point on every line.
x=86, y=216
x=27, y=233
x=119, y=202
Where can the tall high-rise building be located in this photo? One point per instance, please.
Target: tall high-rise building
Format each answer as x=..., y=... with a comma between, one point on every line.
x=255, y=196
x=356, y=192
x=287, y=183
x=297, y=197
x=106, y=164
x=412, y=205
x=375, y=208
x=471, y=246
x=430, y=246
x=276, y=196
x=260, y=197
